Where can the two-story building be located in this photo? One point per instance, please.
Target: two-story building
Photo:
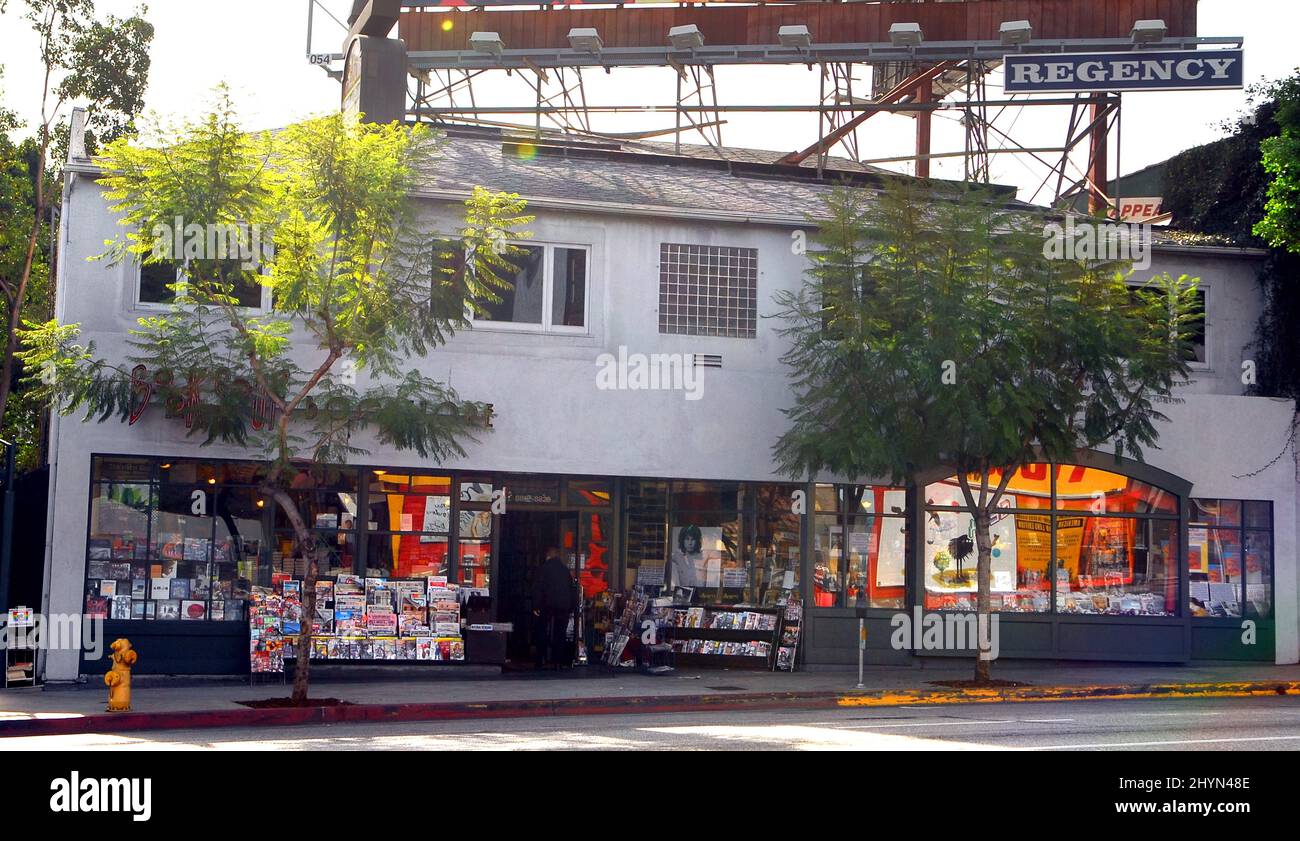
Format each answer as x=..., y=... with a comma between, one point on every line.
x=638, y=251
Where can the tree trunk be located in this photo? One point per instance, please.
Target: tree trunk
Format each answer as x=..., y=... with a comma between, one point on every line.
x=983, y=576
x=312, y=548
x=302, y=667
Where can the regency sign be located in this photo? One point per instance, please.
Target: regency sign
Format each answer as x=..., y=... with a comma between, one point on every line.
x=1164, y=70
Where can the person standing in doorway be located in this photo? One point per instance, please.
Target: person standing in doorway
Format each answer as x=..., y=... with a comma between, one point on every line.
x=553, y=603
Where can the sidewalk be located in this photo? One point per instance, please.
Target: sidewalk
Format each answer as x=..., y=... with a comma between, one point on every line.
x=28, y=711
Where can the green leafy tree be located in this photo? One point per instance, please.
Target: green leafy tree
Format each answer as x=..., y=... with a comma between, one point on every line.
x=932, y=331
x=1280, y=226
x=104, y=64
x=22, y=421
x=359, y=289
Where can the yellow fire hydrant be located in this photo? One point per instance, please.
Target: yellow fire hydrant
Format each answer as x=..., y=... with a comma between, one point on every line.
x=118, y=679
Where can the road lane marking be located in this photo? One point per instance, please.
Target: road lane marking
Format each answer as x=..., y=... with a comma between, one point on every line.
x=1166, y=742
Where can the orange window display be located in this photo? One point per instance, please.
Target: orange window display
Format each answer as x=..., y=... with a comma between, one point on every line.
x=410, y=524
x=1106, y=559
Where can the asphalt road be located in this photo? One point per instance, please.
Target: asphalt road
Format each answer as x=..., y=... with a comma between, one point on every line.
x=1191, y=724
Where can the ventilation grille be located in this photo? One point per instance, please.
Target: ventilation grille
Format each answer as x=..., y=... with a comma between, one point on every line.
x=707, y=360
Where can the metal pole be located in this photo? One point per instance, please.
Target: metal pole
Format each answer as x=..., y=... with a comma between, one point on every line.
x=860, y=606
x=7, y=525
x=862, y=648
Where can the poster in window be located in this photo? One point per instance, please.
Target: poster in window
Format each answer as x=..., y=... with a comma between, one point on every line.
x=949, y=551
x=697, y=556
x=891, y=553
x=437, y=514
x=475, y=525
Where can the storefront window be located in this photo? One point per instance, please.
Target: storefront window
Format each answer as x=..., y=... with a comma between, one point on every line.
x=645, y=533
x=117, y=549
x=705, y=556
x=1102, y=492
x=593, y=548
x=705, y=549
x=175, y=540
x=181, y=544
x=828, y=559
x=1230, y=558
x=241, y=550
x=408, y=525
x=1019, y=562
x=1122, y=566
x=1030, y=487
x=875, y=545
x=777, y=541
x=475, y=536
x=332, y=515
x=1078, y=488
x=860, y=546
x=1258, y=555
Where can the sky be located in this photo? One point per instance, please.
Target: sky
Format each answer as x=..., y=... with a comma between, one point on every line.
x=259, y=48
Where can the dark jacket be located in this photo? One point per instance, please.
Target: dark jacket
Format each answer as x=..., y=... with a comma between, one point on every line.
x=553, y=589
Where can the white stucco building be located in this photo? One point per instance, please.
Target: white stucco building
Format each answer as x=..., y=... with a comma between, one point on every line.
x=676, y=254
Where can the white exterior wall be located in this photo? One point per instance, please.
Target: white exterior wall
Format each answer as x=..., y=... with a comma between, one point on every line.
x=550, y=417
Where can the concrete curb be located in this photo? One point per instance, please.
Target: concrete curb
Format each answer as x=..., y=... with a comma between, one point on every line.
x=750, y=701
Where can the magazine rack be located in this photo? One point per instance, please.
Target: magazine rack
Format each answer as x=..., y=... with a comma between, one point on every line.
x=787, y=655
x=718, y=640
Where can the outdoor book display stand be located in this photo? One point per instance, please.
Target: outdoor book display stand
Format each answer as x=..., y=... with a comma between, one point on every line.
x=723, y=636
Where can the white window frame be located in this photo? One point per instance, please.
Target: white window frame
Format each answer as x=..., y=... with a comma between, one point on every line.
x=548, y=296
x=155, y=306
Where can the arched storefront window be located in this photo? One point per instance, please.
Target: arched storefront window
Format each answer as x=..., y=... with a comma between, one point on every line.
x=1104, y=543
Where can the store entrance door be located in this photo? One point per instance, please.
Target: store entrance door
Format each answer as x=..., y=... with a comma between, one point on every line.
x=525, y=537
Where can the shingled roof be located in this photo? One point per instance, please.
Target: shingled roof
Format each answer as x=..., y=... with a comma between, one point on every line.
x=648, y=176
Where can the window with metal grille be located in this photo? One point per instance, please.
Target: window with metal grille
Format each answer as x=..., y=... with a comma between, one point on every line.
x=708, y=290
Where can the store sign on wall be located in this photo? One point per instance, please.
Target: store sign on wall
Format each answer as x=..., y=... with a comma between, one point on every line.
x=1166, y=70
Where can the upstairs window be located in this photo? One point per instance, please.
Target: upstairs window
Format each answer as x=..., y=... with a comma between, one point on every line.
x=708, y=290
x=548, y=291
x=155, y=278
x=1196, y=354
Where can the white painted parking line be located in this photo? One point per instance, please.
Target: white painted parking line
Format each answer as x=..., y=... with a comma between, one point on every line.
x=1238, y=740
